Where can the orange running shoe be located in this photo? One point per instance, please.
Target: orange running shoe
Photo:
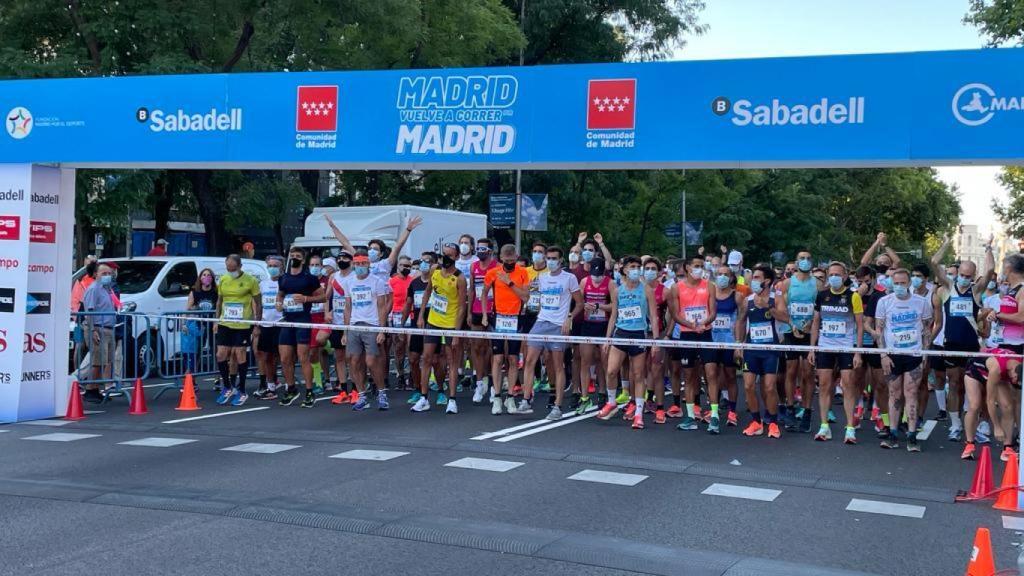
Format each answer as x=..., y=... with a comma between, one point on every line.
x=630, y=410
x=341, y=398
x=1007, y=452
x=675, y=412
x=731, y=419
x=659, y=416
x=876, y=414
x=754, y=429
x=591, y=388
x=638, y=422
x=773, y=431
x=697, y=414
x=608, y=410
x=968, y=453
x=858, y=414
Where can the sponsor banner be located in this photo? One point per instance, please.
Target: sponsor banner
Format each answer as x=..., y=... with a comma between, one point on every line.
x=15, y=212
x=502, y=210
x=883, y=109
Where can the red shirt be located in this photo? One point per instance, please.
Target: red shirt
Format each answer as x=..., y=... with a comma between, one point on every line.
x=400, y=288
x=157, y=250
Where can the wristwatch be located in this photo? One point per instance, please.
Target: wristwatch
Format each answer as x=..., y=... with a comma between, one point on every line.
x=511, y=284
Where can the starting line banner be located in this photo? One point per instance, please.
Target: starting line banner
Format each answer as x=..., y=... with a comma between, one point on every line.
x=907, y=109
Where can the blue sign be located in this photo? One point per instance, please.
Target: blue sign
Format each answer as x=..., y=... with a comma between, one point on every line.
x=674, y=231
x=533, y=213
x=863, y=110
x=694, y=232
x=503, y=210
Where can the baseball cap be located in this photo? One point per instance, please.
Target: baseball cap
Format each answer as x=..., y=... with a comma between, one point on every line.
x=344, y=254
x=331, y=262
x=248, y=246
x=735, y=258
x=161, y=241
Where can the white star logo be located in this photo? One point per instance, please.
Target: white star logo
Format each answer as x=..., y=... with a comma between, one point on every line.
x=316, y=112
x=305, y=105
x=625, y=100
x=597, y=101
x=607, y=101
x=309, y=112
x=616, y=100
x=621, y=108
x=330, y=105
x=600, y=108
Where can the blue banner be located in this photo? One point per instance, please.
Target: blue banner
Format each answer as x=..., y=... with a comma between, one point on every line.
x=502, y=210
x=865, y=110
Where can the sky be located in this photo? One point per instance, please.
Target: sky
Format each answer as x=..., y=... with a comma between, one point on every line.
x=761, y=28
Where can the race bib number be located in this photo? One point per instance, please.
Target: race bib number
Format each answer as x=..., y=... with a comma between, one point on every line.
x=996, y=333
x=396, y=319
x=233, y=311
x=550, y=301
x=905, y=337
x=961, y=307
x=270, y=299
x=506, y=324
x=339, y=304
x=317, y=308
x=598, y=315
x=361, y=297
x=676, y=332
x=479, y=287
x=417, y=299
x=439, y=304
x=722, y=323
x=290, y=305
x=761, y=333
x=869, y=340
x=534, y=302
x=833, y=328
x=696, y=314
x=630, y=313
x=801, y=313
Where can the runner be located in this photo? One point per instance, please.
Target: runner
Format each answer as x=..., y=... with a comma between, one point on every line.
x=797, y=295
x=756, y=325
x=558, y=289
x=411, y=311
x=922, y=286
x=480, y=349
x=400, y=283
x=634, y=305
x=316, y=315
x=1011, y=308
x=986, y=384
x=903, y=325
x=366, y=304
x=692, y=304
x=293, y=299
x=508, y=287
x=598, y=294
x=238, y=298
x=655, y=401
x=838, y=323
x=535, y=271
x=721, y=365
x=871, y=370
x=336, y=315
x=446, y=299
x=266, y=344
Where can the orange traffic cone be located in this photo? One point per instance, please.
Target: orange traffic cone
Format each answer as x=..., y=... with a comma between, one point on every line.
x=74, y=411
x=138, y=406
x=1007, y=499
x=981, y=563
x=188, y=395
x=983, y=482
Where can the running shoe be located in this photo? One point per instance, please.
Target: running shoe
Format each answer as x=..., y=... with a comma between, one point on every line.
x=800, y=413
x=858, y=415
x=713, y=425
x=309, y=400
x=659, y=416
x=574, y=404
x=912, y=445
x=510, y=405
x=1007, y=452
x=805, y=422
x=675, y=412
x=225, y=396
x=773, y=431
x=942, y=416
x=789, y=421
x=623, y=397
x=591, y=388
x=459, y=387
x=382, y=400
x=442, y=399
x=981, y=437
x=648, y=407
x=341, y=398
x=585, y=404
x=270, y=395
x=422, y=405
x=889, y=442
x=755, y=428
x=851, y=436
x=608, y=411
x=955, y=434
x=824, y=433
x=318, y=390
x=496, y=406
x=555, y=413
x=452, y=407
x=361, y=404
x=479, y=391
x=541, y=386
x=630, y=410
x=638, y=422
x=414, y=398
x=239, y=399
x=876, y=413
x=831, y=416
x=517, y=390
x=433, y=385
x=970, y=449
x=688, y=423
x=288, y=397
x=259, y=393
x=524, y=407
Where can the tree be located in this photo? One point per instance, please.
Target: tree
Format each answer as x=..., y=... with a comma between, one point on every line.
x=1011, y=213
x=1001, y=20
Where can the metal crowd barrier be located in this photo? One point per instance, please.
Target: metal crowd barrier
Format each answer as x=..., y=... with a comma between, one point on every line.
x=133, y=354
x=186, y=344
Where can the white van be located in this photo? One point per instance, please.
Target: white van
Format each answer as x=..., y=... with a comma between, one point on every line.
x=157, y=285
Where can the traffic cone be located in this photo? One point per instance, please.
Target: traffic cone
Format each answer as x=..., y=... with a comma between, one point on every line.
x=981, y=563
x=75, y=411
x=1008, y=489
x=188, y=395
x=138, y=406
x=983, y=484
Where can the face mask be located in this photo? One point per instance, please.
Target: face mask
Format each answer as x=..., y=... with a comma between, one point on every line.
x=887, y=282
x=373, y=254
x=633, y=274
x=951, y=278
x=900, y=290
x=315, y=270
x=789, y=273
x=670, y=274
x=709, y=266
x=344, y=264
x=650, y=275
x=509, y=266
x=697, y=273
x=538, y=257
x=447, y=261
x=404, y=271
x=574, y=257
x=882, y=278
x=424, y=267
x=274, y=272
x=553, y=264
x=295, y=263
x=464, y=248
x=236, y=274
x=362, y=270
x=804, y=264
x=1004, y=289
x=618, y=277
x=882, y=268
x=756, y=286
x=106, y=280
x=855, y=285
x=835, y=281
x=735, y=269
x=207, y=280
x=722, y=281
x=916, y=281
x=588, y=255
x=991, y=285
x=483, y=252
x=962, y=282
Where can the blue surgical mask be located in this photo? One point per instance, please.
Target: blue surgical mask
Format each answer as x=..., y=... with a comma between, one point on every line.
x=106, y=280
x=835, y=281
x=633, y=274
x=552, y=264
x=315, y=270
x=855, y=285
x=722, y=281
x=588, y=255
x=900, y=290
x=362, y=270
x=424, y=267
x=951, y=277
x=755, y=286
x=274, y=271
x=650, y=275
x=991, y=285
x=916, y=281
x=962, y=282
x=373, y=254
x=887, y=282
x=804, y=264
x=670, y=274
x=538, y=257
x=618, y=277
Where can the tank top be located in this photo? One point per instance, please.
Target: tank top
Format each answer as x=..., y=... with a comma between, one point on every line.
x=598, y=294
x=632, y=308
x=760, y=324
x=722, y=329
x=838, y=327
x=1013, y=332
x=337, y=285
x=959, y=311
x=400, y=288
x=659, y=299
x=479, y=272
x=693, y=303
x=444, y=301
x=800, y=299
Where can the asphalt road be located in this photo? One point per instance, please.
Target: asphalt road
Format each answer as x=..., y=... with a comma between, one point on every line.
x=461, y=494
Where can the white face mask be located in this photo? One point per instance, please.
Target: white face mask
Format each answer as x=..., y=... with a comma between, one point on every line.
x=464, y=248
x=697, y=273
x=574, y=257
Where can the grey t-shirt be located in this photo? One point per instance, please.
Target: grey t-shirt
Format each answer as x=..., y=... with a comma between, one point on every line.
x=97, y=298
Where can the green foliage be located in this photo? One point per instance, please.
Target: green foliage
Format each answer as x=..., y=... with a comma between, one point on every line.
x=1001, y=20
x=1011, y=213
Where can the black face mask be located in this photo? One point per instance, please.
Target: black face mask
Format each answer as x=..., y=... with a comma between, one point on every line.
x=404, y=271
x=882, y=268
x=344, y=264
x=295, y=263
x=509, y=267
x=447, y=261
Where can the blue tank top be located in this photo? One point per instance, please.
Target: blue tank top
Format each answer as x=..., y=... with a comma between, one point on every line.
x=760, y=324
x=722, y=329
x=959, y=326
x=632, y=308
x=800, y=299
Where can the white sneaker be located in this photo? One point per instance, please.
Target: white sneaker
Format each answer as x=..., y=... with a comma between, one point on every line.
x=496, y=406
x=524, y=407
x=452, y=408
x=985, y=428
x=510, y=405
x=555, y=414
x=422, y=405
x=478, y=393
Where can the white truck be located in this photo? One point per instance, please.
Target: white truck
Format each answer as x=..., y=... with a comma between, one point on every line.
x=364, y=223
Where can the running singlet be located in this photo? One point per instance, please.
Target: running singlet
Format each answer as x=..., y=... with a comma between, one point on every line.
x=465, y=265
x=959, y=312
x=316, y=310
x=444, y=303
x=995, y=330
x=417, y=288
x=479, y=274
x=337, y=302
x=1013, y=333
x=598, y=294
x=760, y=324
x=632, y=308
x=659, y=299
x=268, y=298
x=800, y=299
x=838, y=327
x=236, y=296
x=502, y=298
x=870, y=307
x=723, y=328
x=533, y=304
x=399, y=286
x=903, y=321
x=693, y=304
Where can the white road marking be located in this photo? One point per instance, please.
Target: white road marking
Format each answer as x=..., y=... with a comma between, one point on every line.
x=62, y=437
x=550, y=426
x=888, y=508
x=205, y=416
x=4, y=430
x=745, y=492
x=926, y=431
x=157, y=442
x=603, y=477
x=506, y=431
x=88, y=412
x=332, y=397
x=375, y=455
x=1013, y=523
x=258, y=448
x=51, y=423
x=484, y=464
